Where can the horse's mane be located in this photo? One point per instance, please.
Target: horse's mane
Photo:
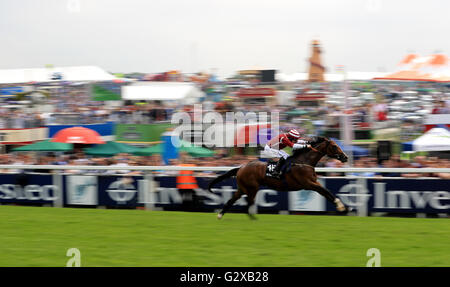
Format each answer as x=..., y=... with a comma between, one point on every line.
x=313, y=141
x=316, y=140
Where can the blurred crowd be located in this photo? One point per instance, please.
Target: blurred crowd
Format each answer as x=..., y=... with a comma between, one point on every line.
x=370, y=105
x=393, y=162
x=12, y=119
x=220, y=159
x=75, y=106
x=384, y=106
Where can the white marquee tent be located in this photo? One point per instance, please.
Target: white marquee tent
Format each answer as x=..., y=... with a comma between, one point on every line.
x=436, y=139
x=188, y=93
x=54, y=74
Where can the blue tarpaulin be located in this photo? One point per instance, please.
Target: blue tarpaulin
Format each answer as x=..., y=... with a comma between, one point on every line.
x=170, y=146
x=355, y=150
x=407, y=146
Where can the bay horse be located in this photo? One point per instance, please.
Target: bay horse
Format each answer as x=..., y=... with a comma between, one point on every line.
x=301, y=175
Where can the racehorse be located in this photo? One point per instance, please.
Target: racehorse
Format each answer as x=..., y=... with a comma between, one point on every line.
x=301, y=174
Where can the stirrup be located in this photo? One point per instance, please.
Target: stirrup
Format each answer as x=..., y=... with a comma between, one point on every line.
x=276, y=175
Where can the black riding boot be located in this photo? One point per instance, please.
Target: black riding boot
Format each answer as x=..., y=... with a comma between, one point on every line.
x=277, y=170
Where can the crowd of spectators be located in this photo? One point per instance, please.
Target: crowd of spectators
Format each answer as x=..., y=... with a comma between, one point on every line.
x=393, y=162
x=219, y=159
x=75, y=106
x=17, y=119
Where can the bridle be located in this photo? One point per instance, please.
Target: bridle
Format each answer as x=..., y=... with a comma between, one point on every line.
x=326, y=147
x=321, y=152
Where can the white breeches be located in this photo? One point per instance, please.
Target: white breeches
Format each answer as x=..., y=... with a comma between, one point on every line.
x=271, y=152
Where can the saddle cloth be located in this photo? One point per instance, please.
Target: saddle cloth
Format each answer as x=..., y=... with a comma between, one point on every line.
x=272, y=164
x=270, y=167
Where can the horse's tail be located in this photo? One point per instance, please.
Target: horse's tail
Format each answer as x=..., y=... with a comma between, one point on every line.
x=228, y=174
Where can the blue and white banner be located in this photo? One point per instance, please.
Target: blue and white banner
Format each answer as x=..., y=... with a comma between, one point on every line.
x=266, y=200
x=81, y=190
x=26, y=188
x=393, y=195
x=371, y=194
x=306, y=200
x=119, y=191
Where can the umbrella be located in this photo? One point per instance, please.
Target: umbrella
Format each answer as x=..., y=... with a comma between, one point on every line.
x=187, y=147
x=46, y=145
x=111, y=148
x=195, y=151
x=155, y=149
x=78, y=135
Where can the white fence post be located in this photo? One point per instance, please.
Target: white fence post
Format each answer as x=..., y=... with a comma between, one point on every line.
x=58, y=182
x=147, y=191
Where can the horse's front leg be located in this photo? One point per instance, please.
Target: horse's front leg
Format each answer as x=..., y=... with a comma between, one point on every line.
x=316, y=186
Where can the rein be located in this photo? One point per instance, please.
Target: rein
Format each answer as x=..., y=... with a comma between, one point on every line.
x=316, y=150
x=324, y=153
x=303, y=164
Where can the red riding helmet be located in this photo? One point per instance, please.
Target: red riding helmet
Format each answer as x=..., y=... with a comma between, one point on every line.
x=293, y=134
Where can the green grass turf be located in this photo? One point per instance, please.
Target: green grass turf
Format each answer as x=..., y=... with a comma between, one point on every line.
x=40, y=236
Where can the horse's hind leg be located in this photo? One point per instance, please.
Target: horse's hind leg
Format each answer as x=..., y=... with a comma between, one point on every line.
x=251, y=206
x=230, y=203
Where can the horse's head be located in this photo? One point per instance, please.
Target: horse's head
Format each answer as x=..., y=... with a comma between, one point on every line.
x=330, y=148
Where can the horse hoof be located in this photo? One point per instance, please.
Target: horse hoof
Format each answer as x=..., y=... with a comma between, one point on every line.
x=219, y=216
x=252, y=217
x=340, y=206
x=346, y=210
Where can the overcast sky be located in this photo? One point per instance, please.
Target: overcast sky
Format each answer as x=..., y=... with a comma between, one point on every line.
x=227, y=35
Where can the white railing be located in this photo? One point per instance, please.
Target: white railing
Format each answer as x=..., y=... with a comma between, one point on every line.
x=217, y=168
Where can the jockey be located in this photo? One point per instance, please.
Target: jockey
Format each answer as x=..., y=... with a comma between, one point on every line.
x=275, y=146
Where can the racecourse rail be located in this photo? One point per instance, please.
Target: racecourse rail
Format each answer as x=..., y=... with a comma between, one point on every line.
x=219, y=168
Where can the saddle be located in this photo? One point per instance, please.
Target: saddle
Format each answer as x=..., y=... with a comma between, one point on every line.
x=285, y=168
